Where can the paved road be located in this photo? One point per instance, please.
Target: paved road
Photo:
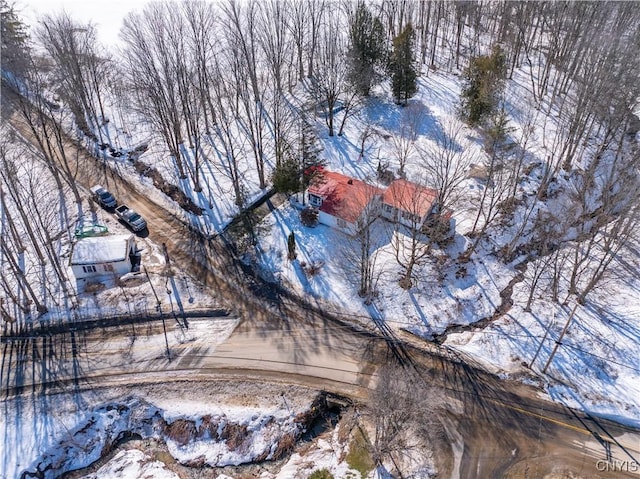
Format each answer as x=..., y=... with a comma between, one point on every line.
x=501, y=432
x=505, y=429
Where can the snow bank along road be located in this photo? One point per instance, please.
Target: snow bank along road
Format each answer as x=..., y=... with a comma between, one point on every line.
x=504, y=426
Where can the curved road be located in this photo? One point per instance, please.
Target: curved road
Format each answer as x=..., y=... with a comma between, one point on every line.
x=504, y=428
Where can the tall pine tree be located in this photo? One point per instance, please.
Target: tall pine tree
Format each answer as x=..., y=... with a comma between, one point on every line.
x=482, y=88
x=367, y=49
x=15, y=41
x=301, y=163
x=402, y=66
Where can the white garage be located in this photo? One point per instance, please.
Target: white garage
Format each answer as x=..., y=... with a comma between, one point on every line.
x=97, y=256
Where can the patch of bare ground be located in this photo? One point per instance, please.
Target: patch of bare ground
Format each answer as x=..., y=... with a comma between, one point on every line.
x=209, y=428
x=235, y=435
x=286, y=445
x=169, y=189
x=304, y=404
x=181, y=431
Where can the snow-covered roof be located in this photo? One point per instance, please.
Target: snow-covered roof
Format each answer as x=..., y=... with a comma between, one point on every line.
x=101, y=249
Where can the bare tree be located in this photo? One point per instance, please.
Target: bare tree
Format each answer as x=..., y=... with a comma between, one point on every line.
x=273, y=39
x=17, y=284
x=497, y=184
x=408, y=205
x=150, y=55
x=242, y=26
x=411, y=119
x=298, y=21
x=330, y=80
x=45, y=120
x=81, y=68
x=404, y=411
x=32, y=232
x=316, y=9
x=367, y=133
x=201, y=23
x=225, y=131
x=361, y=253
x=606, y=215
x=446, y=163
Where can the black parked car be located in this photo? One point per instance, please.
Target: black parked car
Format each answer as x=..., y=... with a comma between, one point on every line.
x=103, y=197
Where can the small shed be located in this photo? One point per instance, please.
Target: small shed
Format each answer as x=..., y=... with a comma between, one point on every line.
x=113, y=255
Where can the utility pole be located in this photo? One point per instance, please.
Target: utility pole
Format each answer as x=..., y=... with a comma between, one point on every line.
x=167, y=260
x=559, y=340
x=544, y=338
x=159, y=309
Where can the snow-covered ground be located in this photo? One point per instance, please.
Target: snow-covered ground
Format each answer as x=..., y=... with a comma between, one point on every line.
x=325, y=452
x=153, y=289
x=132, y=464
x=47, y=427
x=218, y=424
x=597, y=369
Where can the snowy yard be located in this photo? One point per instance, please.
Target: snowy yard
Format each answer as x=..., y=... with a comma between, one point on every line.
x=425, y=309
x=597, y=369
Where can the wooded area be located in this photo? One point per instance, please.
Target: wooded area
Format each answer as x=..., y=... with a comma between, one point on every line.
x=222, y=74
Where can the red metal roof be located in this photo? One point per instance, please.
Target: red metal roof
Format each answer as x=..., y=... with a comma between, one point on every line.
x=407, y=196
x=342, y=196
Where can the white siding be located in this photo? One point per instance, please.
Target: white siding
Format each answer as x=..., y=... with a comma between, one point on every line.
x=116, y=269
x=408, y=222
x=327, y=219
x=332, y=222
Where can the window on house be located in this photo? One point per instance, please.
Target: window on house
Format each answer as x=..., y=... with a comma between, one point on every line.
x=342, y=223
x=108, y=267
x=315, y=200
x=89, y=269
x=410, y=217
x=387, y=208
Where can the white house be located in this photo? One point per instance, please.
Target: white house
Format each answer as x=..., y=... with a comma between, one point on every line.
x=342, y=200
x=97, y=256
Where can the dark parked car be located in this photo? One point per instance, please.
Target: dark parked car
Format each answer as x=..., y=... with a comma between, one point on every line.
x=103, y=197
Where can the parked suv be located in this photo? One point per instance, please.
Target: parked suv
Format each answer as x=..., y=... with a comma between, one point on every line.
x=103, y=197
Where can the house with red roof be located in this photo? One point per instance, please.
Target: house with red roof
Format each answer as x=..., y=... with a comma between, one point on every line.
x=343, y=201
x=408, y=203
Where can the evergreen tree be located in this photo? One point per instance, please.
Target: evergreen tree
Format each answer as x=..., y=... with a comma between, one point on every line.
x=291, y=246
x=483, y=87
x=497, y=132
x=367, y=49
x=402, y=66
x=15, y=41
x=285, y=177
x=300, y=165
